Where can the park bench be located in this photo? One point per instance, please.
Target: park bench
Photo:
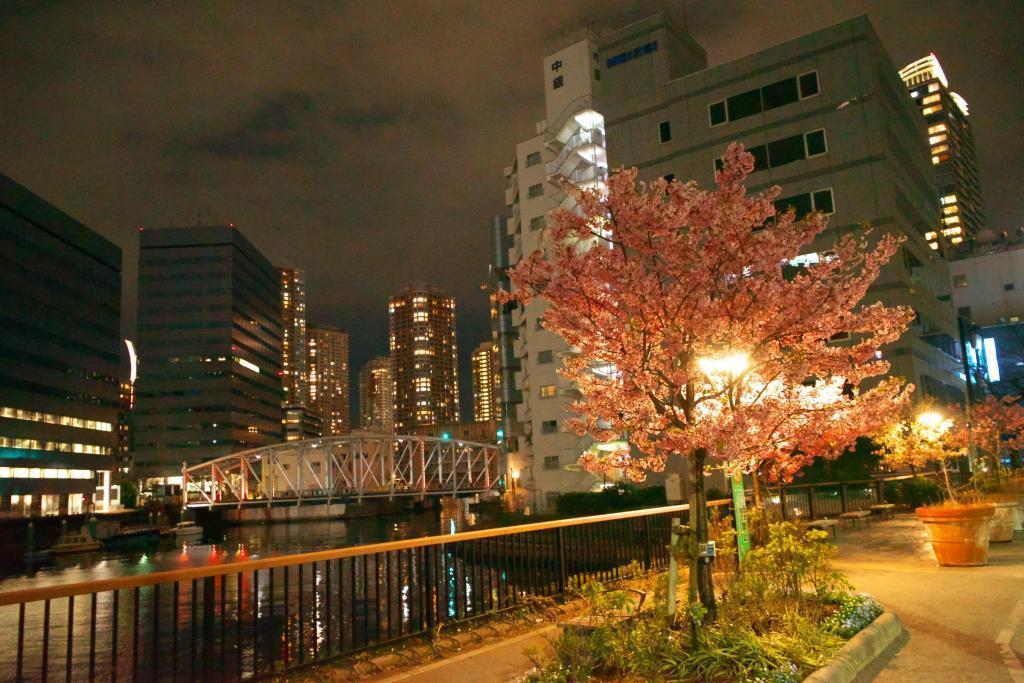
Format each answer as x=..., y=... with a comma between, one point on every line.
x=884, y=510
x=856, y=517
x=824, y=525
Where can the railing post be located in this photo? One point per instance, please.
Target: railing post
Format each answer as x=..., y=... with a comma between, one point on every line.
x=879, y=492
x=843, y=497
x=810, y=502
x=560, y=542
x=782, y=501
x=648, y=544
x=209, y=661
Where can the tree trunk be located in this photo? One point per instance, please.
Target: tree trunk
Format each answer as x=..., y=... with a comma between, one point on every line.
x=757, y=487
x=699, y=524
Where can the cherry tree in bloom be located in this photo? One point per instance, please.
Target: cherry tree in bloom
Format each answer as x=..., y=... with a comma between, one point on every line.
x=658, y=281
x=910, y=441
x=995, y=423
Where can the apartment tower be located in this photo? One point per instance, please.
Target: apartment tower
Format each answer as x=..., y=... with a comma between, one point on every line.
x=422, y=339
x=951, y=143
x=328, y=378
x=377, y=396
x=486, y=383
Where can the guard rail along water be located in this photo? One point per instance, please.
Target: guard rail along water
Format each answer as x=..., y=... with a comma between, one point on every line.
x=259, y=617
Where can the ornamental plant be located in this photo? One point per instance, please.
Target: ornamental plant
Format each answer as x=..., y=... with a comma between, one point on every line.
x=995, y=423
x=656, y=284
x=919, y=441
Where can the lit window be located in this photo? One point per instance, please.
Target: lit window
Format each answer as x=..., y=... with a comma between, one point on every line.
x=420, y=316
x=949, y=199
x=932, y=109
x=937, y=128
x=930, y=235
x=935, y=139
x=933, y=245
x=547, y=391
x=940, y=148
x=957, y=240
x=960, y=281
x=931, y=99
x=933, y=87
x=951, y=231
x=950, y=220
x=935, y=161
x=947, y=210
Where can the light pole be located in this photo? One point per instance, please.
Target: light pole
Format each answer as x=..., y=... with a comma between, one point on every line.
x=732, y=366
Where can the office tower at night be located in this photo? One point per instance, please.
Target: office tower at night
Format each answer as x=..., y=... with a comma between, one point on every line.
x=60, y=284
x=486, y=383
x=422, y=340
x=951, y=145
x=327, y=361
x=377, y=396
x=209, y=345
x=826, y=117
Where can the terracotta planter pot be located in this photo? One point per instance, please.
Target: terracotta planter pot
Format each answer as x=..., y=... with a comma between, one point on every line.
x=1018, y=520
x=959, y=534
x=1004, y=520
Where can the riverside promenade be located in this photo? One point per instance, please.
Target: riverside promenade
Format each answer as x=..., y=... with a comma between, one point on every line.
x=961, y=624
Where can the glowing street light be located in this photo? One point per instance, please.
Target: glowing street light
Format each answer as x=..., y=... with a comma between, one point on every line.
x=930, y=419
x=730, y=365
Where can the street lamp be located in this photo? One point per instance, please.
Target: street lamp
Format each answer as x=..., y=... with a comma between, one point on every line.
x=731, y=366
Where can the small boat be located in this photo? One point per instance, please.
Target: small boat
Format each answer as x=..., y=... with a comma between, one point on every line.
x=78, y=542
x=184, y=529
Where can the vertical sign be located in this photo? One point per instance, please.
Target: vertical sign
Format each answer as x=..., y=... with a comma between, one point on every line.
x=739, y=505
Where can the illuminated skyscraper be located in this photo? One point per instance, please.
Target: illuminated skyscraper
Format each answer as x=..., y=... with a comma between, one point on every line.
x=328, y=378
x=293, y=342
x=422, y=339
x=377, y=395
x=951, y=143
x=486, y=383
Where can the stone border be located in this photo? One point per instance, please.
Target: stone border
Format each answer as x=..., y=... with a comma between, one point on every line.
x=860, y=651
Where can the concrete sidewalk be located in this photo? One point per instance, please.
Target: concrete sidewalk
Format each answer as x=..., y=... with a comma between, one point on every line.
x=964, y=624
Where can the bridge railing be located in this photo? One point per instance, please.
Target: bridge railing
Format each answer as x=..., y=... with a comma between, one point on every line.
x=257, y=618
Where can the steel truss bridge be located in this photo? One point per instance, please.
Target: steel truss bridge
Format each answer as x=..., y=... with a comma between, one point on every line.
x=344, y=468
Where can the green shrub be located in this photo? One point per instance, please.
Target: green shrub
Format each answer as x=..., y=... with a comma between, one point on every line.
x=913, y=492
x=613, y=499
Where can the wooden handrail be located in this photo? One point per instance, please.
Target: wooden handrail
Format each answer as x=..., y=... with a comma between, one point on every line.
x=104, y=585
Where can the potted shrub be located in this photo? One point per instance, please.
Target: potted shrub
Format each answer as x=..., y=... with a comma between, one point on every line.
x=958, y=529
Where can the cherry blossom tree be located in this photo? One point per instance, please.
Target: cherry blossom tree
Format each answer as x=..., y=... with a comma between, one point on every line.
x=652, y=284
x=995, y=422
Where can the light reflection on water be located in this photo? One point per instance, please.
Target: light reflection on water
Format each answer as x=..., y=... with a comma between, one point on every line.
x=229, y=544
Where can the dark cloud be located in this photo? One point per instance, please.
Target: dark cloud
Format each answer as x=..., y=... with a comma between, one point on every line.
x=271, y=130
x=365, y=141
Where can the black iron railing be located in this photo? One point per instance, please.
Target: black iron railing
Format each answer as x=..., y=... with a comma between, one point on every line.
x=256, y=618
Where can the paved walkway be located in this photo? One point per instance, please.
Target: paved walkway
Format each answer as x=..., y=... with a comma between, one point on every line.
x=964, y=624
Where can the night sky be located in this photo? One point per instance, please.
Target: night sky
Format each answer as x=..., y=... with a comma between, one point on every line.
x=365, y=141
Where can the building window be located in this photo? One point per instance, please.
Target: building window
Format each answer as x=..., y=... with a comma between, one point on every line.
x=744, y=105
x=547, y=391
x=786, y=151
x=551, y=462
x=808, y=85
x=549, y=427
x=665, y=131
x=533, y=158
x=815, y=143
x=716, y=113
x=669, y=177
x=538, y=222
x=544, y=357
x=779, y=94
x=823, y=201
x=1008, y=286
x=535, y=190
x=959, y=281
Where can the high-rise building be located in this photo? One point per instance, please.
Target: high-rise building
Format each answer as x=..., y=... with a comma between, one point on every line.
x=377, y=395
x=951, y=143
x=209, y=345
x=328, y=378
x=422, y=339
x=293, y=342
x=60, y=316
x=486, y=383
x=826, y=118
x=301, y=423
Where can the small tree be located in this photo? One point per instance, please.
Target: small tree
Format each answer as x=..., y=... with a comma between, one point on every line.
x=995, y=422
x=653, y=283
x=920, y=441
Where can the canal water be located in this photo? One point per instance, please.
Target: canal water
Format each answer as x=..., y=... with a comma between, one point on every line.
x=218, y=546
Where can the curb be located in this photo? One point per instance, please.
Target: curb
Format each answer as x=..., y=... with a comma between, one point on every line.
x=859, y=651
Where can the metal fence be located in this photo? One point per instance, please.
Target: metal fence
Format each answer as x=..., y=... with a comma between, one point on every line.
x=256, y=618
